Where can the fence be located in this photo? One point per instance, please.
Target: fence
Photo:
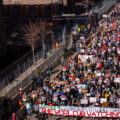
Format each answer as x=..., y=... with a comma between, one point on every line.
x=25, y=82
x=16, y=69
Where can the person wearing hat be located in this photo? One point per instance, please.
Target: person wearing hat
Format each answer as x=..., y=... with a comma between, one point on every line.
x=20, y=93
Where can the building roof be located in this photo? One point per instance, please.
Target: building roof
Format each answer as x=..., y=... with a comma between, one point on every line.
x=31, y=2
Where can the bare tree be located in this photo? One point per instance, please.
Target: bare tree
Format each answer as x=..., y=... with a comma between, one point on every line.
x=31, y=35
x=43, y=32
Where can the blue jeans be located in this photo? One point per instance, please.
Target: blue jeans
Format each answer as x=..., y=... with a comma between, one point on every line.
x=28, y=112
x=63, y=117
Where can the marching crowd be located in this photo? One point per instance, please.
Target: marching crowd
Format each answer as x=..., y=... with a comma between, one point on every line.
x=92, y=78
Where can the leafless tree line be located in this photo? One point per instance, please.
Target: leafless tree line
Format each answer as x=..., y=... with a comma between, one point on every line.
x=33, y=32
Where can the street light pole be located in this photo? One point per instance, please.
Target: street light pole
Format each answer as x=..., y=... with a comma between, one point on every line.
x=86, y=6
x=51, y=8
x=62, y=6
x=52, y=23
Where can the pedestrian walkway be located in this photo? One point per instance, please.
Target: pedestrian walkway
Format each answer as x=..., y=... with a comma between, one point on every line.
x=53, y=117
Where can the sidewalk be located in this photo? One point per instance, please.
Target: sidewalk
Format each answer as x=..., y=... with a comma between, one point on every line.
x=33, y=117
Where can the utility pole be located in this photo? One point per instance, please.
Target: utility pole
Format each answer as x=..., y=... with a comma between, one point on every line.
x=86, y=6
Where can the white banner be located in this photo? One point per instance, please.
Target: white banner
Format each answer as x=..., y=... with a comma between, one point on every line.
x=80, y=111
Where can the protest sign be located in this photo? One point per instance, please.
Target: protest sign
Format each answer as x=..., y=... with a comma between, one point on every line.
x=105, y=16
x=118, y=51
x=83, y=86
x=92, y=99
x=78, y=85
x=81, y=38
x=84, y=101
x=98, y=74
x=85, y=57
x=102, y=100
x=82, y=50
x=117, y=80
x=88, y=94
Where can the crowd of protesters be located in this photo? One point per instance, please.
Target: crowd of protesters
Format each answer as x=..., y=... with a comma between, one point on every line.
x=92, y=78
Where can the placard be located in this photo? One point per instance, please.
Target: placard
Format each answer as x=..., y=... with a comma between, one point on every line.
x=83, y=86
x=98, y=74
x=117, y=80
x=85, y=57
x=118, y=51
x=105, y=16
x=102, y=100
x=93, y=99
x=82, y=38
x=84, y=101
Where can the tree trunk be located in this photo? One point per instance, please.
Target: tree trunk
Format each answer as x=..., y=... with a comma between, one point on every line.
x=33, y=55
x=43, y=50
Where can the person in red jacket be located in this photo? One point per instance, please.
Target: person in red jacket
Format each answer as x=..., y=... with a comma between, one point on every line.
x=100, y=66
x=13, y=116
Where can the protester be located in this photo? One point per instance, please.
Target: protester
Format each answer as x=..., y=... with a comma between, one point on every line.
x=13, y=116
x=28, y=108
